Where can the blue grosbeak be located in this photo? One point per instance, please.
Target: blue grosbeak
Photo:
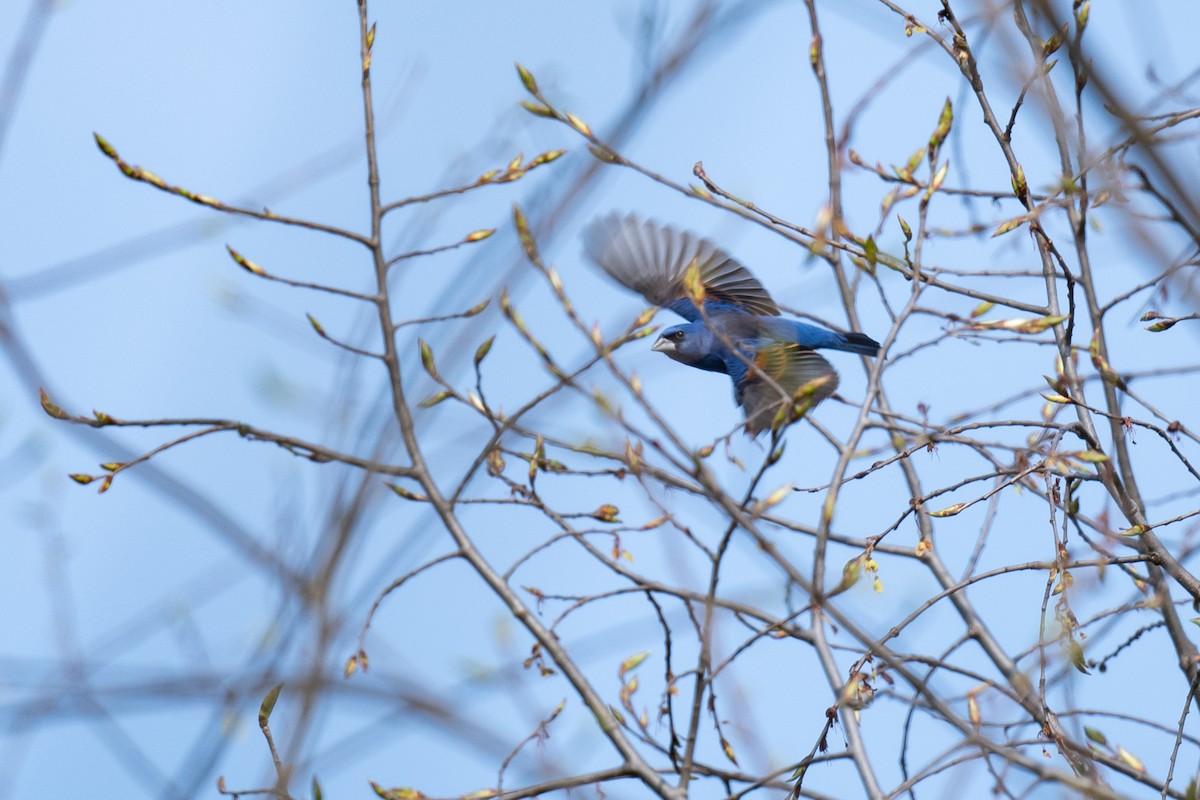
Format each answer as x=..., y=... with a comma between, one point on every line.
x=735, y=328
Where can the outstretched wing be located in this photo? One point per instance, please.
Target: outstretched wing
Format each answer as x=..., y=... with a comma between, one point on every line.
x=782, y=372
x=651, y=259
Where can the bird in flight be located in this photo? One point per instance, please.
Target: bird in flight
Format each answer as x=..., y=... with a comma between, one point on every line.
x=733, y=326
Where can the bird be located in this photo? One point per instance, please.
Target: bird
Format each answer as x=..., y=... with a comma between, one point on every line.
x=733, y=326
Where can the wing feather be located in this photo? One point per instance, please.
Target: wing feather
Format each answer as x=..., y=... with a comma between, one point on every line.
x=651, y=259
x=783, y=372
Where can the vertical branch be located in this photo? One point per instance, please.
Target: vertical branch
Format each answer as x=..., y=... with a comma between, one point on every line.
x=633, y=760
x=862, y=761
x=1123, y=486
x=17, y=68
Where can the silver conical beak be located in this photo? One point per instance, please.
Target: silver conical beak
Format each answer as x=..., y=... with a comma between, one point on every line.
x=663, y=345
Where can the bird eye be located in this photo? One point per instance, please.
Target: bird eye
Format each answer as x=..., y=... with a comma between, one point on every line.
x=677, y=335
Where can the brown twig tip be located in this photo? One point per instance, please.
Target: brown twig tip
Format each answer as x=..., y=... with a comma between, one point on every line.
x=606, y=513
x=698, y=171
x=50, y=408
x=356, y=662
x=1164, y=322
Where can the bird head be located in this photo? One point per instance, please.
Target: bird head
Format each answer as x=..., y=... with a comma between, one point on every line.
x=692, y=344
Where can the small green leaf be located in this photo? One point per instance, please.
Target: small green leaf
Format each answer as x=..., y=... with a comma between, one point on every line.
x=1023, y=325
x=578, y=124
x=483, y=349
x=945, y=121
x=1130, y=759
x=477, y=308
x=105, y=147
x=406, y=494
x=537, y=109
x=1057, y=398
x=728, y=749
x=634, y=661
x=1081, y=19
x=1019, y=185
x=397, y=793
x=1075, y=653
x=775, y=498
x=268, y=704
x=1051, y=45
x=937, y=180
x=527, y=79
x=1010, y=225
x=434, y=399
x=982, y=309
x=525, y=235
x=427, y=358
x=539, y=455
x=244, y=262
x=547, y=157
x=948, y=511
x=852, y=571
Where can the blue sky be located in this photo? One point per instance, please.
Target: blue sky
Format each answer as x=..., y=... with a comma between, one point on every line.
x=138, y=633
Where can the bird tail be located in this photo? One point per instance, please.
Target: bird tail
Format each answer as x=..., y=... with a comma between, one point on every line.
x=855, y=342
x=814, y=337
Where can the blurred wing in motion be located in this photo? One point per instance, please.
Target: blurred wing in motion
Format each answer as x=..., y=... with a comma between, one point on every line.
x=803, y=376
x=652, y=259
